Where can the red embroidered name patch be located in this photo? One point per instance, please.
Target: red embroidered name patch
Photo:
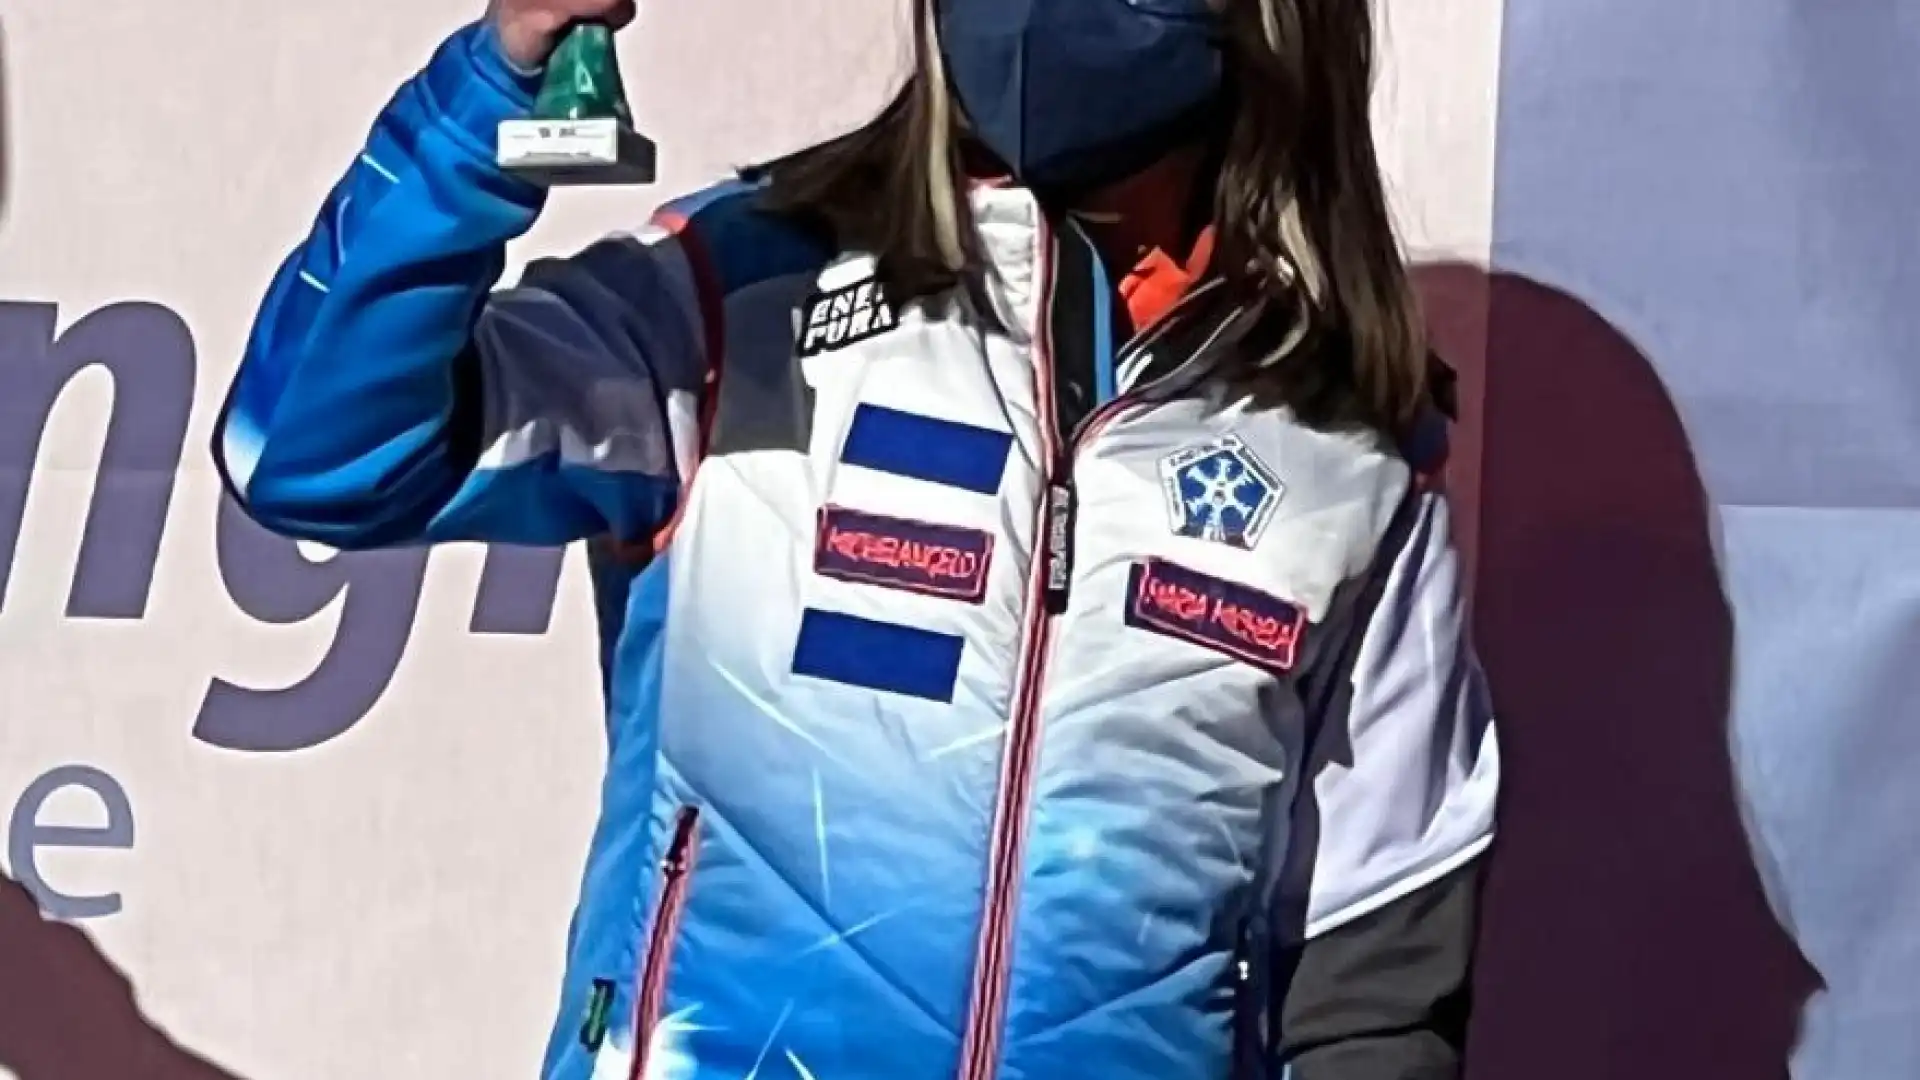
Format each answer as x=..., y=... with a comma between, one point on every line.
x=1242, y=622
x=937, y=560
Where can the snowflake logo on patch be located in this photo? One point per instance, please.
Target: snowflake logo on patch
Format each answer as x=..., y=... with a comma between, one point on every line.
x=1219, y=491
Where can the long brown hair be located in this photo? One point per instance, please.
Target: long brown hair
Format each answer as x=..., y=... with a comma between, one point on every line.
x=1300, y=215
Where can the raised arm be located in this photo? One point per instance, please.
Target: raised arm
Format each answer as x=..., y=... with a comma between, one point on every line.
x=388, y=396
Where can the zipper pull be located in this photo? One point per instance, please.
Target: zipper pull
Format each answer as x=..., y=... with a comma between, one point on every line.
x=674, y=862
x=1061, y=508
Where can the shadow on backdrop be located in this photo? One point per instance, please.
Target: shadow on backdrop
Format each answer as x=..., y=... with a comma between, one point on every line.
x=69, y=1014
x=1626, y=933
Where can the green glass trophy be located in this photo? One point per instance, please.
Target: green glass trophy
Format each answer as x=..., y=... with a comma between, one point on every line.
x=581, y=131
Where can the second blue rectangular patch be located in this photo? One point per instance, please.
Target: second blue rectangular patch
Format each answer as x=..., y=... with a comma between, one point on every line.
x=1227, y=617
x=916, y=556
x=877, y=655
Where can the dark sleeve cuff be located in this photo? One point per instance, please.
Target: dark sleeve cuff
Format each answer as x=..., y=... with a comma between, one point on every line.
x=1384, y=997
x=472, y=86
x=490, y=60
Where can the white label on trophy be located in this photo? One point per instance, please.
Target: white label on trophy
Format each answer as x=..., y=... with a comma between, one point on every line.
x=549, y=143
x=600, y=151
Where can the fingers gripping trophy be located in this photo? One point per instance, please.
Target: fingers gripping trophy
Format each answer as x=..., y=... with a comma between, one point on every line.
x=581, y=130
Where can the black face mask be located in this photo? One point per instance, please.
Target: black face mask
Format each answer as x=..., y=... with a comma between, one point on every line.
x=1075, y=94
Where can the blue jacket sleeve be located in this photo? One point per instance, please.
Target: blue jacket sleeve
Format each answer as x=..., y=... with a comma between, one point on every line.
x=388, y=395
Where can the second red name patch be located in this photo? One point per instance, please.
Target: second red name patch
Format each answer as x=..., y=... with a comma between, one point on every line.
x=1224, y=616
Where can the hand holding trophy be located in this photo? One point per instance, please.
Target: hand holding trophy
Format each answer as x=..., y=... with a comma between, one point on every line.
x=581, y=130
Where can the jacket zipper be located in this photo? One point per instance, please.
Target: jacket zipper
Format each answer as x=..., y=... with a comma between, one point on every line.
x=1052, y=578
x=980, y=1046
x=676, y=868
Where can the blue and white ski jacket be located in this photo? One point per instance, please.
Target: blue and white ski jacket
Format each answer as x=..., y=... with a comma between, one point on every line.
x=1003, y=700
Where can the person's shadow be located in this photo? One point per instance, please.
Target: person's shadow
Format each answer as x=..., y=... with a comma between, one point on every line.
x=1625, y=932
x=66, y=1013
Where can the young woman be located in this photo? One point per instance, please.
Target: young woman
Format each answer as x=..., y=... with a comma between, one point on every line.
x=1050, y=662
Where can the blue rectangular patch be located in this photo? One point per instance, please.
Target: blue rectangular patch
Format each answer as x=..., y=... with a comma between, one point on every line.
x=917, y=556
x=877, y=655
x=923, y=448
x=1227, y=617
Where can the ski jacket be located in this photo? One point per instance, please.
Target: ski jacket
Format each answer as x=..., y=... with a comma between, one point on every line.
x=1000, y=699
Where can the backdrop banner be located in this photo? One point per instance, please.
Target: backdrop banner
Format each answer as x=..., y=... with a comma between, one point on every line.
x=1704, y=228
x=268, y=812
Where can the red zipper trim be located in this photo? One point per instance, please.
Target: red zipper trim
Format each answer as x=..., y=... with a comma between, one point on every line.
x=676, y=869
x=980, y=1043
x=980, y=1046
